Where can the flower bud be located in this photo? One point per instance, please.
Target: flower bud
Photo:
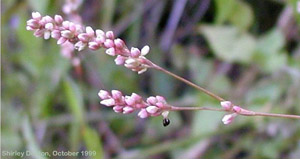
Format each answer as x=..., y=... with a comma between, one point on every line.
x=145, y=50
x=135, y=52
x=108, y=102
x=226, y=105
x=116, y=94
x=227, y=119
x=103, y=94
x=152, y=109
x=110, y=35
x=111, y=51
x=143, y=114
x=127, y=110
x=120, y=60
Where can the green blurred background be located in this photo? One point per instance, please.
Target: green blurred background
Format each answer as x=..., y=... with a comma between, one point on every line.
x=247, y=51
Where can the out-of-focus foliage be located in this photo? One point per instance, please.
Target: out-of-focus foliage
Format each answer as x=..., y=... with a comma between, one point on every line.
x=245, y=51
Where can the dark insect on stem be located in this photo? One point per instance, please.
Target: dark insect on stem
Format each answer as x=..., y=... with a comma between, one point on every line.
x=166, y=122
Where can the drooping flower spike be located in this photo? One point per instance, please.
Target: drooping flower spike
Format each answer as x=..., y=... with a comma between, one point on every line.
x=153, y=106
x=86, y=37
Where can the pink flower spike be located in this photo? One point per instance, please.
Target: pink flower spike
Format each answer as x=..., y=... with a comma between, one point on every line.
x=127, y=110
x=237, y=109
x=145, y=50
x=108, y=43
x=152, y=109
x=111, y=51
x=143, y=114
x=110, y=35
x=103, y=94
x=36, y=16
x=108, y=102
x=227, y=119
x=226, y=105
x=135, y=52
x=120, y=60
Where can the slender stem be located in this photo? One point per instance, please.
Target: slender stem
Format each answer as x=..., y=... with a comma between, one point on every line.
x=277, y=115
x=197, y=108
x=244, y=112
x=223, y=110
x=188, y=82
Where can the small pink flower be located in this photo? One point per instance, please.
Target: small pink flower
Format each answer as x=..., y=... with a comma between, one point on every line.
x=135, y=52
x=152, y=100
x=145, y=50
x=36, y=16
x=152, y=109
x=111, y=51
x=110, y=35
x=227, y=119
x=127, y=110
x=237, y=109
x=108, y=102
x=116, y=94
x=119, y=43
x=226, y=105
x=118, y=109
x=143, y=114
x=109, y=43
x=58, y=19
x=120, y=60
x=103, y=94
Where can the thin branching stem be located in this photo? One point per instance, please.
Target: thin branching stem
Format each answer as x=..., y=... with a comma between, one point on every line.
x=252, y=113
x=188, y=82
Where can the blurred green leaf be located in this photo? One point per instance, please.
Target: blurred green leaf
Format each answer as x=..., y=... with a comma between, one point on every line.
x=269, y=54
x=241, y=15
x=224, y=9
x=74, y=99
x=237, y=12
x=264, y=92
x=29, y=136
x=93, y=142
x=39, y=6
x=229, y=44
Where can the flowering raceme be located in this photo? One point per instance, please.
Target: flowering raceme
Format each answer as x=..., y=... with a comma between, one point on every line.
x=86, y=37
x=153, y=106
